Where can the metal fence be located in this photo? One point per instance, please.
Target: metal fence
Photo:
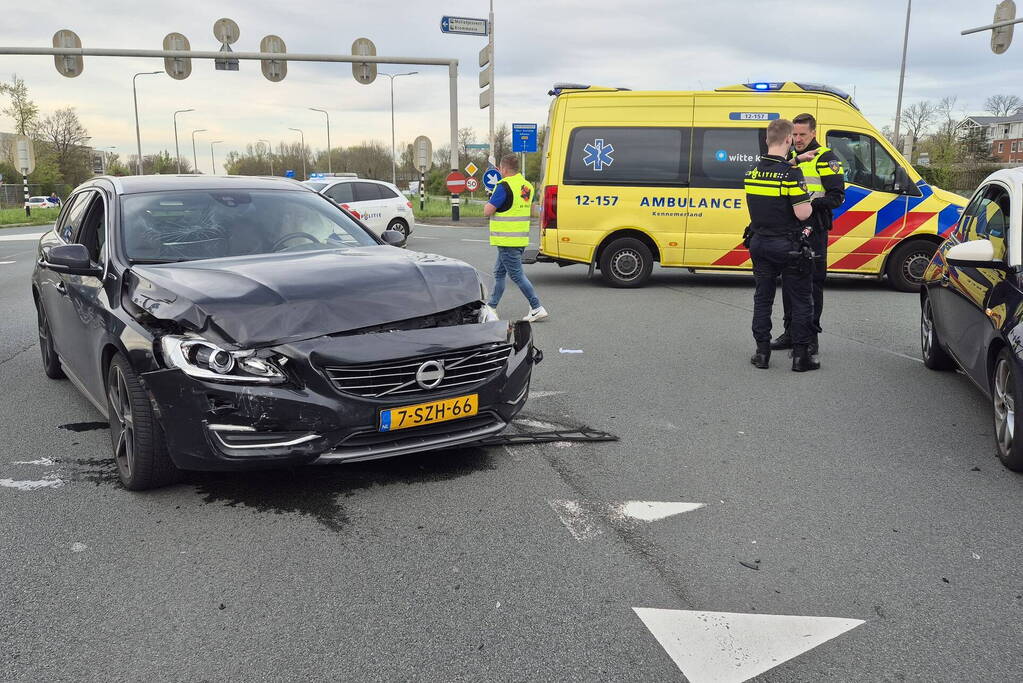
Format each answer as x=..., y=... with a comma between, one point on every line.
x=12, y=195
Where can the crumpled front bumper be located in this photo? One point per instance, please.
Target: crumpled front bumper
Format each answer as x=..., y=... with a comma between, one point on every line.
x=214, y=426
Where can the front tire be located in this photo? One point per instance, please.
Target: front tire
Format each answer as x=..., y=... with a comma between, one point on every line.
x=139, y=450
x=626, y=262
x=51, y=361
x=907, y=263
x=1006, y=400
x=933, y=353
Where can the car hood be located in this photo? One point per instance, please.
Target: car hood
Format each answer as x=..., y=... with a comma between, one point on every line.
x=269, y=299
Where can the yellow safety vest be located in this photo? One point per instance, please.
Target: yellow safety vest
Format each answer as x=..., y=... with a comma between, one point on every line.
x=511, y=228
x=814, y=169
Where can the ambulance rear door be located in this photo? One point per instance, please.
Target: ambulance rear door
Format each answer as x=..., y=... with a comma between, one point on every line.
x=729, y=135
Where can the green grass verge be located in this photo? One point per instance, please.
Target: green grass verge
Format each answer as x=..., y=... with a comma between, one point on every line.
x=9, y=217
x=440, y=207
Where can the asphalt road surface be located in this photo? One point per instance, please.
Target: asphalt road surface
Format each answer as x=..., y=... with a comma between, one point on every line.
x=851, y=524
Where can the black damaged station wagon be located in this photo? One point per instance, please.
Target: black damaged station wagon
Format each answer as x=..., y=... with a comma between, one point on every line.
x=234, y=323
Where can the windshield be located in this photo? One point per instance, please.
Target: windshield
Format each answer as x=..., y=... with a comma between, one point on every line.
x=202, y=224
x=315, y=187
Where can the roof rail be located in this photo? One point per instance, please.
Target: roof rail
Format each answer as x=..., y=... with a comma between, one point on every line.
x=559, y=87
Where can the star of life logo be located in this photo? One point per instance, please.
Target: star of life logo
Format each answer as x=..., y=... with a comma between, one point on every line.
x=598, y=155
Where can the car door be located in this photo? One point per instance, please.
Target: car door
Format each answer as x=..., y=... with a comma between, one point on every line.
x=873, y=217
x=89, y=301
x=53, y=290
x=393, y=205
x=970, y=308
x=369, y=204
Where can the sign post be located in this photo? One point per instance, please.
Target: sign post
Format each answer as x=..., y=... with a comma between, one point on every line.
x=25, y=160
x=456, y=186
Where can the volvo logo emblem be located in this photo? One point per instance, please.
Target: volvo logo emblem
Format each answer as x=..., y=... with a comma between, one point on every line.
x=430, y=374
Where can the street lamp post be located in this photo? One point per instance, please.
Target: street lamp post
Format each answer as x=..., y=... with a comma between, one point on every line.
x=304, y=176
x=902, y=75
x=138, y=135
x=330, y=168
x=213, y=161
x=177, y=152
x=269, y=154
x=195, y=159
x=394, y=172
x=103, y=153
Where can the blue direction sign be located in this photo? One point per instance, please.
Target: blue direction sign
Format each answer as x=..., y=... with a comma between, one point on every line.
x=523, y=137
x=491, y=178
x=464, y=25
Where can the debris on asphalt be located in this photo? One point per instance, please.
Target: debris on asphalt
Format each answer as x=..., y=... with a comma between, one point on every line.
x=78, y=547
x=547, y=437
x=755, y=565
x=84, y=426
x=975, y=469
x=222, y=606
x=976, y=556
x=570, y=350
x=945, y=580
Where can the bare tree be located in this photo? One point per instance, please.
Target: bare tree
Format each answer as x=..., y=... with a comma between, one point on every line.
x=918, y=116
x=1003, y=105
x=66, y=135
x=23, y=110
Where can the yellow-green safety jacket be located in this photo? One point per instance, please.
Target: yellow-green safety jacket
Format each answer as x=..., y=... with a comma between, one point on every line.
x=825, y=183
x=510, y=228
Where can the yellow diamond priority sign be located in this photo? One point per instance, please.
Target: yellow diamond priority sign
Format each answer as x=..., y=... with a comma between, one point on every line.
x=471, y=169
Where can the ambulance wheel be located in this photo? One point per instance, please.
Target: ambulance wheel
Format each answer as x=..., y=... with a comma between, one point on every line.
x=626, y=262
x=907, y=263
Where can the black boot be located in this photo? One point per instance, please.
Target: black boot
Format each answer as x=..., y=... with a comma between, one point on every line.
x=762, y=357
x=813, y=348
x=782, y=341
x=801, y=359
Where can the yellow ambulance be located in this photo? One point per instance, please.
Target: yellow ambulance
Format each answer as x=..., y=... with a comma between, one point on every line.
x=634, y=178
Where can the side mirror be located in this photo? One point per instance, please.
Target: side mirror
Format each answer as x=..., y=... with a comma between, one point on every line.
x=392, y=237
x=903, y=184
x=72, y=259
x=974, y=254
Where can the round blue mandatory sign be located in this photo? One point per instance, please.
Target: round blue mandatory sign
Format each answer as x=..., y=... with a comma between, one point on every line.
x=491, y=178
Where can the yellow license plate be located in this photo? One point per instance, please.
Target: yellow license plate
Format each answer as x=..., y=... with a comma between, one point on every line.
x=429, y=413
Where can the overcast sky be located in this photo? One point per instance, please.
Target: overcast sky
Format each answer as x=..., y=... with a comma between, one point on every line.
x=645, y=44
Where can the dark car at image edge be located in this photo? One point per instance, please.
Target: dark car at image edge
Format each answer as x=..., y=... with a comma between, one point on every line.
x=237, y=323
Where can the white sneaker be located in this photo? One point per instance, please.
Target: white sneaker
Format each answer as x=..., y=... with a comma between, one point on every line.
x=536, y=314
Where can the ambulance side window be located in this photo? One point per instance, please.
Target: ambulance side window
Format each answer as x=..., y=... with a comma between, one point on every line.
x=628, y=156
x=721, y=156
x=865, y=162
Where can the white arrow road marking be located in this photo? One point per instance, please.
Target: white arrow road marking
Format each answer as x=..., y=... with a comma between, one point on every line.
x=725, y=647
x=586, y=520
x=49, y=481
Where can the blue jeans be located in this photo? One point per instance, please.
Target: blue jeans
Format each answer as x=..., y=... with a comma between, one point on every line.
x=509, y=262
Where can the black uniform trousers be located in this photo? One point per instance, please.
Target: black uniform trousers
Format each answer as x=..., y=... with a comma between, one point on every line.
x=819, y=244
x=772, y=257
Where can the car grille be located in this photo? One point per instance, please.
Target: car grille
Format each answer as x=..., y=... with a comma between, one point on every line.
x=398, y=378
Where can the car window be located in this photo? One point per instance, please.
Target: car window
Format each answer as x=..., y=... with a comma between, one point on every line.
x=991, y=220
x=965, y=229
x=387, y=193
x=721, y=156
x=628, y=156
x=71, y=220
x=202, y=224
x=341, y=193
x=365, y=192
x=865, y=161
x=92, y=232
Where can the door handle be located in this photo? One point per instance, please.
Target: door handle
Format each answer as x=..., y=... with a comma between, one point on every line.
x=61, y=287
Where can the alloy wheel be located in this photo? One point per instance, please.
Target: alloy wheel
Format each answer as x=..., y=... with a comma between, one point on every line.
x=927, y=329
x=1004, y=405
x=44, y=337
x=120, y=404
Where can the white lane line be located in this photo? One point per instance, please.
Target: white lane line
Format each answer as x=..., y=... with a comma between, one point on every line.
x=28, y=237
x=469, y=240
x=424, y=237
x=544, y=394
x=585, y=520
x=6, y=263
x=725, y=647
x=45, y=462
x=47, y=482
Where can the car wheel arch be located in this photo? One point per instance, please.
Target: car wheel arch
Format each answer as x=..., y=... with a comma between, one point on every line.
x=635, y=233
x=933, y=238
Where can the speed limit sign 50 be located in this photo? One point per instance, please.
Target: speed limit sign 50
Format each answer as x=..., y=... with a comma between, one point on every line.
x=472, y=184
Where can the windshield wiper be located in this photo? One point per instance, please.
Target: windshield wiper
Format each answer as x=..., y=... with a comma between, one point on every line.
x=156, y=261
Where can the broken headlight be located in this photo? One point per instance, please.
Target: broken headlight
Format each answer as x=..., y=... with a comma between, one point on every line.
x=199, y=358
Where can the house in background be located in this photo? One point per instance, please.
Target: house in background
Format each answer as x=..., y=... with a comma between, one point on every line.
x=1005, y=133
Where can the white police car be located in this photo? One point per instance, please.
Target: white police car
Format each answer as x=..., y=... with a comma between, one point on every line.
x=380, y=205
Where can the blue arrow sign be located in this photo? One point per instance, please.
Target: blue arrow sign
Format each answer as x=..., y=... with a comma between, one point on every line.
x=464, y=25
x=491, y=178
